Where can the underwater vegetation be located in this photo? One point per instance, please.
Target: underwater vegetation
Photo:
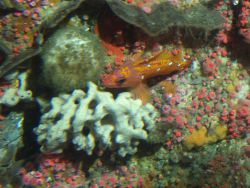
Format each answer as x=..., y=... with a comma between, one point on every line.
x=125, y=93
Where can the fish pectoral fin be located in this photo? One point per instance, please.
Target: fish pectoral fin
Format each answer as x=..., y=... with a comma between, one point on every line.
x=142, y=92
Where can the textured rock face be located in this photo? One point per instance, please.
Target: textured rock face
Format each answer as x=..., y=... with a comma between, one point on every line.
x=95, y=120
x=21, y=33
x=163, y=16
x=10, y=139
x=71, y=58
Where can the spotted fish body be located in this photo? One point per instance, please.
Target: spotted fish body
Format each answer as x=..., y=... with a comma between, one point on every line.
x=132, y=74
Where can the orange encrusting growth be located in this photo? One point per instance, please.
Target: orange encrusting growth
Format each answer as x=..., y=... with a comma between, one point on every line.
x=201, y=137
x=134, y=73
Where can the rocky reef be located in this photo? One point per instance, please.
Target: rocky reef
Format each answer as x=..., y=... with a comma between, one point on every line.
x=21, y=28
x=10, y=144
x=124, y=93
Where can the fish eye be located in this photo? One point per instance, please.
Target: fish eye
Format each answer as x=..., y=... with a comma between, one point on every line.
x=121, y=81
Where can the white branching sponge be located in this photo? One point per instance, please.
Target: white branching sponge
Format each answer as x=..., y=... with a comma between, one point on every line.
x=13, y=95
x=95, y=119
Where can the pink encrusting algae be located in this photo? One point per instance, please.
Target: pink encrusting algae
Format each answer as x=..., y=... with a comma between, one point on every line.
x=55, y=172
x=21, y=27
x=243, y=20
x=220, y=98
x=216, y=93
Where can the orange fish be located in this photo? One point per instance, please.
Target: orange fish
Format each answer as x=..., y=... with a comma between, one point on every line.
x=132, y=74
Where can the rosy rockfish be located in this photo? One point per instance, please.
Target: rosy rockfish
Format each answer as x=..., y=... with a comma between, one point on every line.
x=131, y=74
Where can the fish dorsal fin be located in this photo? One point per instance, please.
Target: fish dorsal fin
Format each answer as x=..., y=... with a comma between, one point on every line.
x=168, y=55
x=139, y=60
x=165, y=54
